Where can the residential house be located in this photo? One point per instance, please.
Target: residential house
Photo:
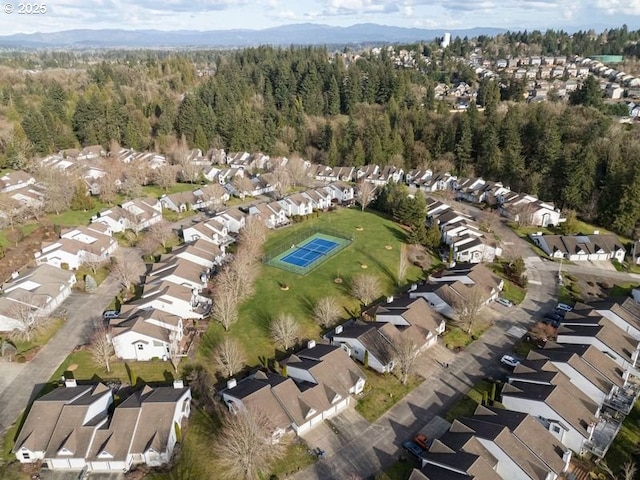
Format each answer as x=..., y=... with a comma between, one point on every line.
x=318, y=384
x=145, y=334
x=136, y=215
x=179, y=271
x=320, y=200
x=36, y=292
x=263, y=184
x=212, y=230
x=625, y=314
x=233, y=219
x=562, y=408
x=340, y=192
x=594, y=247
x=457, y=288
x=179, y=202
x=203, y=253
x=528, y=210
x=175, y=299
x=15, y=180
x=603, y=334
x=72, y=428
x=210, y=196
x=297, y=204
x=77, y=246
x=514, y=444
x=272, y=214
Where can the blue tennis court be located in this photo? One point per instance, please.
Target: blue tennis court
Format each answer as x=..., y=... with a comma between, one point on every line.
x=305, y=255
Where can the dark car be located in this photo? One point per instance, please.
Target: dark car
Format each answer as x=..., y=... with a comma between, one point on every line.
x=109, y=314
x=552, y=320
x=561, y=313
x=413, y=448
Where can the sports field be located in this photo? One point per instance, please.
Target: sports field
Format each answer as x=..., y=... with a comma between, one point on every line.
x=304, y=256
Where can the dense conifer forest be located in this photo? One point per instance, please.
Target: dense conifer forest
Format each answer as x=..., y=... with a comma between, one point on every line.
x=340, y=110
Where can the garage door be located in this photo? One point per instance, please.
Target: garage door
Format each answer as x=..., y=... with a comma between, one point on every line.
x=342, y=404
x=78, y=463
x=99, y=466
x=316, y=420
x=60, y=463
x=330, y=411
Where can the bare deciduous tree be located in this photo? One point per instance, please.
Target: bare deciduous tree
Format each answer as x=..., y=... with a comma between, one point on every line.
x=165, y=176
x=405, y=354
x=403, y=265
x=282, y=180
x=135, y=176
x=175, y=355
x=284, y=330
x=225, y=306
x=524, y=214
x=326, y=311
x=543, y=331
x=365, y=194
x=125, y=273
x=365, y=288
x=162, y=233
x=213, y=196
x=7, y=350
x=101, y=348
x=467, y=308
x=245, y=447
x=228, y=357
x=252, y=237
x=59, y=189
x=242, y=185
x=12, y=210
x=93, y=262
x=133, y=222
x=26, y=312
x=298, y=173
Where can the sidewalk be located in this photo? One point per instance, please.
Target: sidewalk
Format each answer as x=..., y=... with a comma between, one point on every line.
x=81, y=309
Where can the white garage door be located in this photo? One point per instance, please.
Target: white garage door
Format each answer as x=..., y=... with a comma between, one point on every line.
x=61, y=463
x=99, y=466
x=78, y=463
x=317, y=419
x=330, y=411
x=116, y=466
x=342, y=404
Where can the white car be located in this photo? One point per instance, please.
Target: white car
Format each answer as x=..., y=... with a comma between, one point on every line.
x=504, y=301
x=510, y=361
x=564, y=306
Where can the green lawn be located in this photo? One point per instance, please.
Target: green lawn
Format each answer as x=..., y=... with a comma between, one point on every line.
x=455, y=337
x=367, y=248
x=381, y=392
x=295, y=459
x=156, y=192
x=25, y=229
x=40, y=339
x=513, y=292
x=623, y=289
x=152, y=371
x=171, y=216
x=625, y=445
x=401, y=470
x=468, y=404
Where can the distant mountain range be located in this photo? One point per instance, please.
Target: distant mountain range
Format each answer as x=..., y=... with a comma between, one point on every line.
x=296, y=34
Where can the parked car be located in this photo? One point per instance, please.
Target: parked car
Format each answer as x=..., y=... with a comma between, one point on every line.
x=109, y=314
x=504, y=301
x=422, y=441
x=510, y=361
x=561, y=313
x=564, y=306
x=413, y=448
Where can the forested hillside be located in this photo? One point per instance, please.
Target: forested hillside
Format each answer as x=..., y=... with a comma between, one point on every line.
x=331, y=111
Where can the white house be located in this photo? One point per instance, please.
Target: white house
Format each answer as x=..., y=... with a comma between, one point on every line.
x=577, y=248
x=76, y=246
x=213, y=231
x=320, y=200
x=36, y=292
x=201, y=252
x=15, y=180
x=529, y=210
x=145, y=334
x=72, y=428
x=296, y=204
x=560, y=406
x=175, y=299
x=233, y=219
x=341, y=192
x=273, y=214
x=319, y=383
x=179, y=271
x=136, y=215
x=625, y=314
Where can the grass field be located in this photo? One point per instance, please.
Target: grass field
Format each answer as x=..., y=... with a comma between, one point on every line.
x=467, y=405
x=625, y=446
x=368, y=248
x=381, y=392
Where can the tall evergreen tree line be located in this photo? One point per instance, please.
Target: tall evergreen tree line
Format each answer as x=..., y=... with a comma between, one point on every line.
x=303, y=100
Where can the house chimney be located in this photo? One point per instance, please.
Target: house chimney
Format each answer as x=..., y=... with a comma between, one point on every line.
x=232, y=383
x=15, y=274
x=70, y=382
x=338, y=329
x=311, y=344
x=596, y=232
x=413, y=287
x=390, y=299
x=178, y=383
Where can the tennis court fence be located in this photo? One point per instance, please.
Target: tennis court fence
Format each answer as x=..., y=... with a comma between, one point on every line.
x=299, y=237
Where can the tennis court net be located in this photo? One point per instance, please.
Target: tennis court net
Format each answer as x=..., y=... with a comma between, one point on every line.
x=319, y=252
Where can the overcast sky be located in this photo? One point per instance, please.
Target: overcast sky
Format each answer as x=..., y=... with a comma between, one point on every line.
x=259, y=14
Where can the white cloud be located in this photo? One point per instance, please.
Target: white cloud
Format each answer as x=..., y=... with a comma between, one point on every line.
x=613, y=7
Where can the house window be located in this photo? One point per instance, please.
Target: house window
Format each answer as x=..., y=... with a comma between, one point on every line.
x=25, y=456
x=555, y=428
x=156, y=343
x=140, y=346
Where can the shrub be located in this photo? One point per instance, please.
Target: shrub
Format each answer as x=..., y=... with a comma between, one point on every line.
x=575, y=288
x=21, y=359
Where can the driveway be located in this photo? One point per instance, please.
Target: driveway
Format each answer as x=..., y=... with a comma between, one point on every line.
x=81, y=309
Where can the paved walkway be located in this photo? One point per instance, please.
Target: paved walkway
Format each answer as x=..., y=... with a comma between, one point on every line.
x=81, y=310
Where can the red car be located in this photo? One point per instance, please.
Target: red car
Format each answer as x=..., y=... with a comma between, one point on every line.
x=421, y=440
